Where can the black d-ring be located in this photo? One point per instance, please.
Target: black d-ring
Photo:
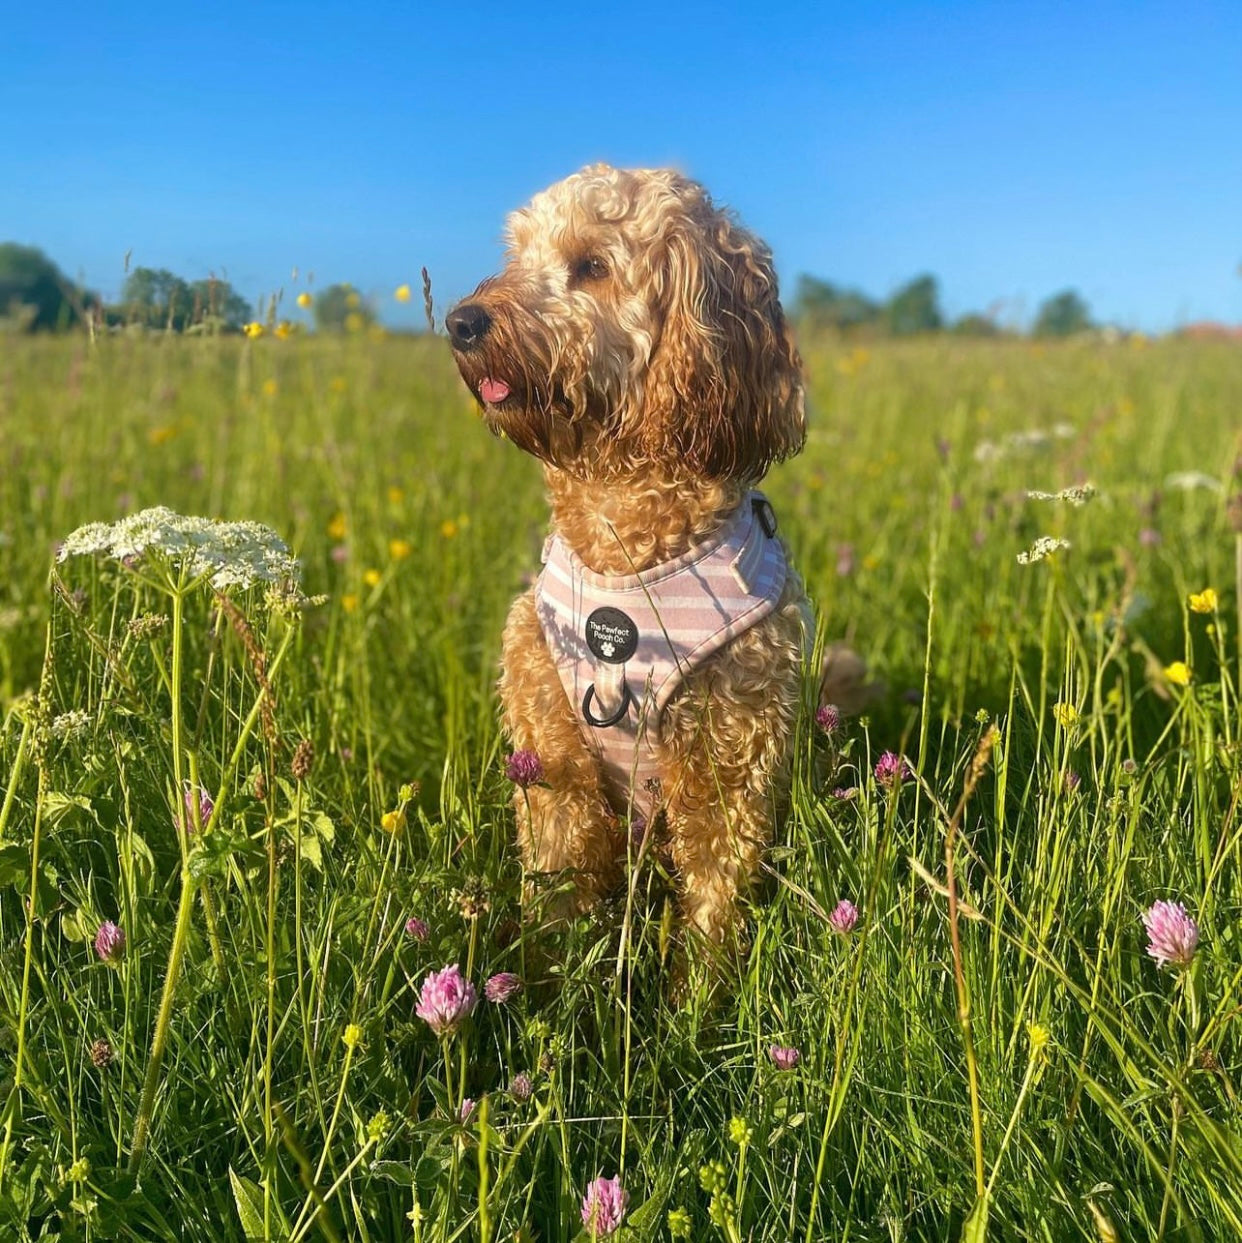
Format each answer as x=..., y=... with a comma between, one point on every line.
x=598, y=722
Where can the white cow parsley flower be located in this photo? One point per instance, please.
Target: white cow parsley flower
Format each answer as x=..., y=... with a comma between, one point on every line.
x=234, y=554
x=1074, y=496
x=1043, y=547
x=1192, y=481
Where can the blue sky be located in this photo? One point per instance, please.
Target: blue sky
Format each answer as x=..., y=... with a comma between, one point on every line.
x=1012, y=149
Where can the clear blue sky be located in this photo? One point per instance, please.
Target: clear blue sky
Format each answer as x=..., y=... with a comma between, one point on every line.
x=1011, y=148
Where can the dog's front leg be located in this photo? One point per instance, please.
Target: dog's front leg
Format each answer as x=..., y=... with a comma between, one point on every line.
x=564, y=824
x=724, y=769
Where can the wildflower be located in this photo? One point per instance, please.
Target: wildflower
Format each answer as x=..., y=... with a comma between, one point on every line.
x=303, y=759
x=253, y=330
x=845, y=793
x=205, y=807
x=712, y=1176
x=845, y=560
x=270, y=387
x=379, y=1126
x=448, y=528
x=304, y=300
x=402, y=293
x=337, y=527
x=371, y=578
x=72, y=724
x=467, y=1109
x=349, y=602
x=472, y=898
x=1178, y=673
x=1203, y=601
x=891, y=770
x=604, y=1205
x=395, y=494
x=399, y=549
x=1129, y=766
x=1066, y=715
x=843, y=918
x=524, y=768
x=417, y=928
x=101, y=1054
x=828, y=718
x=1039, y=1036
x=233, y=554
x=351, y=1037
x=1076, y=496
x=740, y=1131
x=783, y=1057
x=339, y=553
x=1043, y=547
x=1192, y=481
x=1172, y=936
x=1072, y=782
x=679, y=1223
x=79, y=1171
x=1149, y=537
x=110, y=942
x=520, y=1087
x=446, y=1000
x=502, y=987
x=393, y=821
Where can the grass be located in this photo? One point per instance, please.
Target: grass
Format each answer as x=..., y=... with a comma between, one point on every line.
x=296, y=1095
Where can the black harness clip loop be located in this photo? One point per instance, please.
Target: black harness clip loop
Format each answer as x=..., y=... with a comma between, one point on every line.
x=599, y=722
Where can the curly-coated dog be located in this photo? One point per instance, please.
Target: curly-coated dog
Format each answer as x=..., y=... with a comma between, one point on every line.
x=635, y=344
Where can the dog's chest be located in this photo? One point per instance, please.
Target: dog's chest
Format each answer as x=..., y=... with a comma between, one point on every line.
x=624, y=644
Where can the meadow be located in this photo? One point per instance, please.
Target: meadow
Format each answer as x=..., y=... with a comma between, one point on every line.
x=294, y=809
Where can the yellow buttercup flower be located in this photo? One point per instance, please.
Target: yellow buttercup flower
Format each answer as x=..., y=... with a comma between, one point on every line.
x=1039, y=1037
x=399, y=549
x=352, y=1036
x=395, y=495
x=305, y=300
x=349, y=603
x=448, y=528
x=338, y=384
x=161, y=435
x=270, y=388
x=403, y=293
x=1203, y=601
x=337, y=528
x=1178, y=673
x=1066, y=715
x=392, y=821
x=283, y=331
x=253, y=329
x=371, y=578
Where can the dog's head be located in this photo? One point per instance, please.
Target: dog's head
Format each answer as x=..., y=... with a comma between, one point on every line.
x=634, y=325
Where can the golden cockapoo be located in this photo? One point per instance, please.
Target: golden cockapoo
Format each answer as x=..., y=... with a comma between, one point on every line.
x=635, y=344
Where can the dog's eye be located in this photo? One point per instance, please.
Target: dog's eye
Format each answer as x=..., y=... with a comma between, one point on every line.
x=590, y=268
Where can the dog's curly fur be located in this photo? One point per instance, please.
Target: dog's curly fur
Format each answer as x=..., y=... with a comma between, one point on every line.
x=639, y=332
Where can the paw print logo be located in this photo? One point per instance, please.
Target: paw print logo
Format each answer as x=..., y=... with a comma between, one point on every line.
x=606, y=649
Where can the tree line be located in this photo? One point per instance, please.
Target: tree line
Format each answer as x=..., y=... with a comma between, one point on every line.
x=915, y=309
x=35, y=295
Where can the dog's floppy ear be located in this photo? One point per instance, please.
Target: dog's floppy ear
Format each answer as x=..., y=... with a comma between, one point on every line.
x=724, y=386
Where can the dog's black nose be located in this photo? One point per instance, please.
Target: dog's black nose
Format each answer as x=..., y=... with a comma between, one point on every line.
x=467, y=325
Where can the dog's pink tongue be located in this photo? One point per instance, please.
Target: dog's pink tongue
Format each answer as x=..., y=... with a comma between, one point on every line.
x=493, y=391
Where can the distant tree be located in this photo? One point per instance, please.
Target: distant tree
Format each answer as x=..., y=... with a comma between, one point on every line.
x=1062, y=315
x=825, y=305
x=34, y=292
x=975, y=324
x=914, y=308
x=217, y=302
x=158, y=298
x=341, y=308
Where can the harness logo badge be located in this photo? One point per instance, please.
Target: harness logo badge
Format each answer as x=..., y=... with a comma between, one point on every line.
x=611, y=635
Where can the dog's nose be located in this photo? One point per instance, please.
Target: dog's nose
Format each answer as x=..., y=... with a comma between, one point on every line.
x=467, y=325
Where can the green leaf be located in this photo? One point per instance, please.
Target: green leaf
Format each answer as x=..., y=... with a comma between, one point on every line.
x=249, y=1200
x=976, y=1228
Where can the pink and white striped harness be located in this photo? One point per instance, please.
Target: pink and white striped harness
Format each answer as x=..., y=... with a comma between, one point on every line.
x=623, y=643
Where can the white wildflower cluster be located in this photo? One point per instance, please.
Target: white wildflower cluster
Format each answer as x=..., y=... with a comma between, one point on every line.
x=71, y=724
x=1029, y=441
x=1043, y=547
x=233, y=554
x=1077, y=496
x=1193, y=481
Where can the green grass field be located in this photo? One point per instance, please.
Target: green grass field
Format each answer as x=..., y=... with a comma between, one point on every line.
x=282, y=1088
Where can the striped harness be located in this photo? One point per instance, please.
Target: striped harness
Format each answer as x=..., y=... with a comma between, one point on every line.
x=623, y=644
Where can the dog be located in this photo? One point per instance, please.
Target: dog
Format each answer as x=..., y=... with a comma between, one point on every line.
x=634, y=343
